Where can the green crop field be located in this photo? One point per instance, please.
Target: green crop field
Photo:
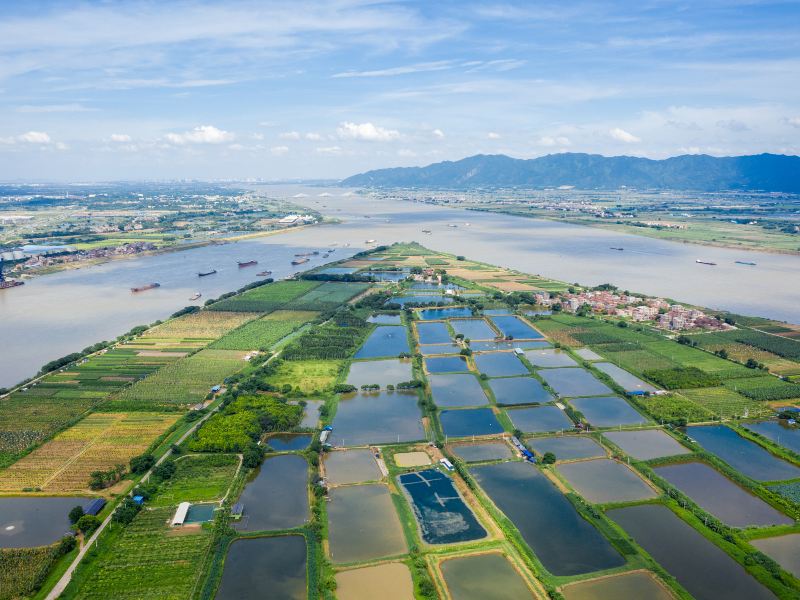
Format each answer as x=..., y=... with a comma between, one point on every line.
x=149, y=559
x=726, y=403
x=265, y=298
x=22, y=570
x=327, y=342
x=765, y=388
x=436, y=262
x=203, y=325
x=198, y=478
x=263, y=333
x=329, y=295
x=186, y=381
x=673, y=407
x=309, y=376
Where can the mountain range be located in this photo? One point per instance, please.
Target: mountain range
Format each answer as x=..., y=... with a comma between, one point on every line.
x=765, y=172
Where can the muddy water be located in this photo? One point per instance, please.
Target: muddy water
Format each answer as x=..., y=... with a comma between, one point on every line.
x=391, y=581
x=483, y=577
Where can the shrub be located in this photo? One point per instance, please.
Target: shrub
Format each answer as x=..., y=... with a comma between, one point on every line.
x=87, y=524
x=681, y=378
x=75, y=514
x=126, y=511
x=142, y=463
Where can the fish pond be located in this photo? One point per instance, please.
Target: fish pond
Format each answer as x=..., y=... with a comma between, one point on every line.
x=519, y=390
x=442, y=515
x=200, y=513
x=483, y=577
x=391, y=581
x=432, y=333
x=289, y=442
x=377, y=418
x=604, y=480
x=385, y=319
x=351, y=466
x=646, y=444
x=434, y=314
x=779, y=431
x=30, y=522
x=484, y=346
x=277, y=496
x=311, y=413
x=338, y=270
x=385, y=340
x=550, y=357
x=626, y=586
x=457, y=390
x=628, y=382
x=473, y=421
x=588, y=354
x=574, y=382
x=784, y=549
x=540, y=419
x=608, y=411
x=480, y=452
x=500, y=364
x=362, y=524
x=474, y=329
x=565, y=542
x=567, y=447
x=705, y=570
x=513, y=326
x=720, y=496
x=433, y=350
x=446, y=364
x=265, y=568
x=382, y=372
x=743, y=455
x=419, y=299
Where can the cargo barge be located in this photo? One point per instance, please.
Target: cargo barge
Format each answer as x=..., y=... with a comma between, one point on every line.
x=144, y=288
x=207, y=273
x=247, y=263
x=706, y=262
x=299, y=261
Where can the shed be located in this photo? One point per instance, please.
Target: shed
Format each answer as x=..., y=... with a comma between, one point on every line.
x=94, y=507
x=237, y=510
x=180, y=514
x=138, y=499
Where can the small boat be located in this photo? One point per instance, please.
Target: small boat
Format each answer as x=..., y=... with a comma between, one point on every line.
x=745, y=262
x=248, y=263
x=326, y=255
x=144, y=288
x=426, y=231
x=299, y=261
x=615, y=248
x=207, y=273
x=705, y=262
x=195, y=296
x=452, y=225
x=370, y=241
x=264, y=274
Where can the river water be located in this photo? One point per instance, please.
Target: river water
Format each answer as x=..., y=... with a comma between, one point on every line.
x=61, y=313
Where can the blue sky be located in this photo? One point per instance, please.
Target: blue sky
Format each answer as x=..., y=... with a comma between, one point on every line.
x=274, y=90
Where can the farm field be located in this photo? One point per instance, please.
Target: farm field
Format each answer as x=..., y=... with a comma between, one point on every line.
x=97, y=443
x=726, y=403
x=21, y=569
x=198, y=478
x=765, y=388
x=148, y=560
x=674, y=407
x=194, y=330
x=263, y=333
x=309, y=376
x=329, y=295
x=265, y=298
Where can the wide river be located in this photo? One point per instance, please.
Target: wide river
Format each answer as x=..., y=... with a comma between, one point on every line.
x=54, y=315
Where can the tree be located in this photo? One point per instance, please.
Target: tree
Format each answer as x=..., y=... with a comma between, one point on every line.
x=142, y=463
x=126, y=511
x=75, y=514
x=165, y=470
x=751, y=363
x=87, y=524
x=549, y=458
x=253, y=456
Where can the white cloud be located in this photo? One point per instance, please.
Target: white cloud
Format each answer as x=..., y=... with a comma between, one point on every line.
x=733, y=125
x=493, y=136
x=623, y=136
x=290, y=135
x=558, y=140
x=235, y=147
x=54, y=108
x=794, y=121
x=35, y=137
x=279, y=150
x=257, y=136
x=313, y=136
x=204, y=134
x=405, y=152
x=120, y=137
x=404, y=70
x=329, y=150
x=366, y=132
x=438, y=133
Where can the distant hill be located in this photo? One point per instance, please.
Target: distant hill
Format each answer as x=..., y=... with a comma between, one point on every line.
x=767, y=172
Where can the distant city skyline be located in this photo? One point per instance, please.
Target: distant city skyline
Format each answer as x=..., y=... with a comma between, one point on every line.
x=282, y=90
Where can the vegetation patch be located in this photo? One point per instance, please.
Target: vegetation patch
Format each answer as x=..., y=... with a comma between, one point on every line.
x=265, y=298
x=765, y=388
x=790, y=491
x=23, y=570
x=263, y=333
x=681, y=378
x=726, y=403
x=199, y=478
x=203, y=325
x=306, y=376
x=326, y=342
x=329, y=295
x=675, y=409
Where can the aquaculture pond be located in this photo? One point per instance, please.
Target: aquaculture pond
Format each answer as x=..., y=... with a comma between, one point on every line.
x=288, y=442
x=351, y=466
x=386, y=340
x=425, y=285
x=390, y=581
x=779, y=431
x=705, y=570
x=30, y=522
x=432, y=333
x=387, y=275
x=311, y=413
x=604, y=480
x=265, y=568
x=626, y=586
x=433, y=350
x=489, y=312
x=540, y=419
x=446, y=364
x=385, y=319
x=646, y=444
x=743, y=455
x=720, y=496
x=519, y=390
x=513, y=326
x=480, y=452
x=565, y=542
x=784, y=549
x=376, y=418
x=200, y=513
x=338, y=270
x=442, y=515
x=484, y=577
x=550, y=357
x=429, y=314
x=362, y=524
x=473, y=421
x=500, y=364
x=383, y=372
x=277, y=496
x=588, y=354
x=630, y=383
x=457, y=390
x=608, y=411
x=574, y=382
x=474, y=329
x=484, y=346
x=419, y=299
x=567, y=447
